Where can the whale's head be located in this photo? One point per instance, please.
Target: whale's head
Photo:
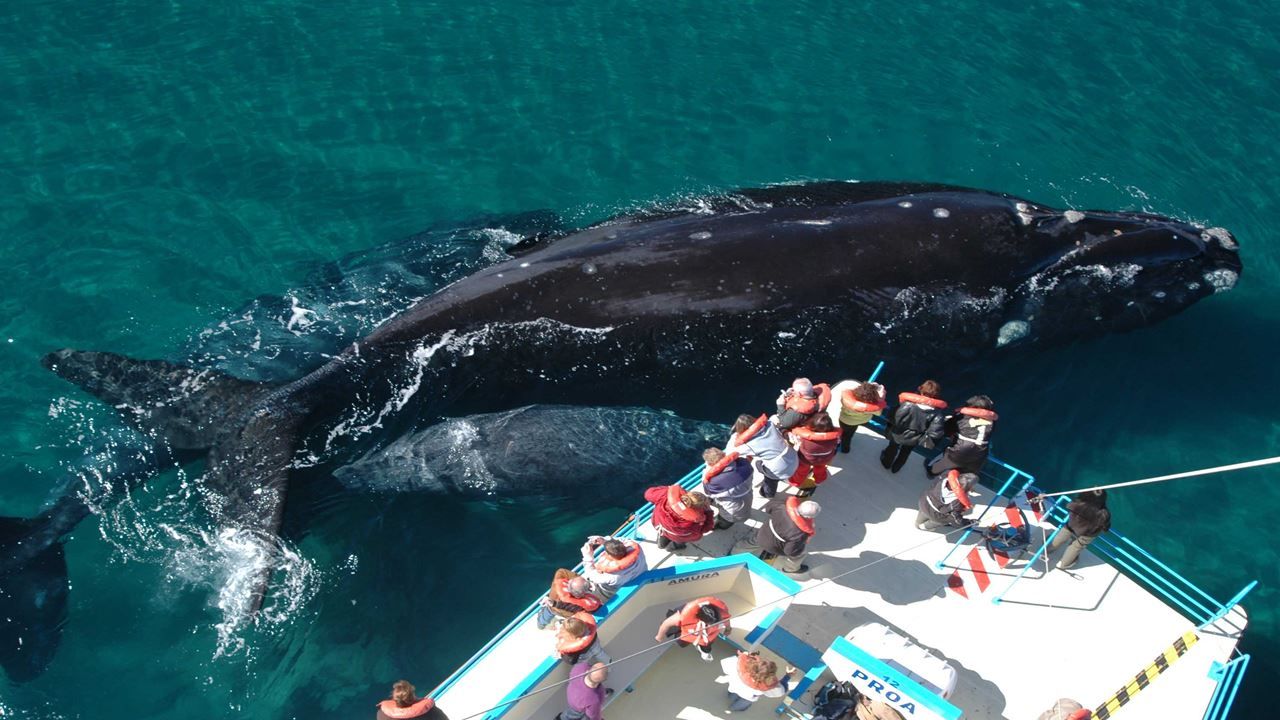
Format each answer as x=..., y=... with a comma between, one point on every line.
x=1112, y=271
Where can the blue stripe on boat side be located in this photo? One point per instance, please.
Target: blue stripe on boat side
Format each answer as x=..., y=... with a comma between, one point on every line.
x=880, y=669
x=792, y=649
x=769, y=621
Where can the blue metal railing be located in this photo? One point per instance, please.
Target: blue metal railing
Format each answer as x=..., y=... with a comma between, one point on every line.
x=1229, y=677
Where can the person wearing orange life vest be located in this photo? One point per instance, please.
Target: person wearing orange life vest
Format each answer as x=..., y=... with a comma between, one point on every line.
x=621, y=562
x=786, y=533
x=815, y=443
x=771, y=455
x=916, y=421
x=799, y=403
x=751, y=677
x=970, y=430
x=405, y=703
x=679, y=516
x=699, y=623
x=569, y=594
x=727, y=482
x=858, y=405
x=946, y=501
x=576, y=641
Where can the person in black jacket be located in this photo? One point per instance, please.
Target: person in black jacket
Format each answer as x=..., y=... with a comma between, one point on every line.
x=970, y=430
x=916, y=421
x=1089, y=519
x=787, y=531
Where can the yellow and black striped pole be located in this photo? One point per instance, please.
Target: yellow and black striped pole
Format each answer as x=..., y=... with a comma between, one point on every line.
x=1148, y=674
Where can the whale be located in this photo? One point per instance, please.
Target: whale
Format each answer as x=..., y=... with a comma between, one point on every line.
x=710, y=295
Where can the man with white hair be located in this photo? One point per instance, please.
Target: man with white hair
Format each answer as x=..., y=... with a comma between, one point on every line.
x=787, y=532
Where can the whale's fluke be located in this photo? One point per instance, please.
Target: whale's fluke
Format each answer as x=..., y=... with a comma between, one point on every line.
x=33, y=602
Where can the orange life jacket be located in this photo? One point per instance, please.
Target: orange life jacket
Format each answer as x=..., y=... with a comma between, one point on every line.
x=806, y=405
x=587, y=602
x=953, y=482
x=793, y=511
x=979, y=413
x=804, y=432
x=716, y=469
x=910, y=397
x=1081, y=714
x=607, y=563
x=682, y=511
x=694, y=629
x=852, y=403
x=576, y=645
x=418, y=709
x=747, y=434
x=746, y=678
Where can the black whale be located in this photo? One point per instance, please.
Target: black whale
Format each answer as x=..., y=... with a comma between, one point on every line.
x=751, y=283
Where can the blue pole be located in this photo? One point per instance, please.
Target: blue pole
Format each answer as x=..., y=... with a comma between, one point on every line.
x=969, y=530
x=1039, y=551
x=876, y=373
x=1226, y=608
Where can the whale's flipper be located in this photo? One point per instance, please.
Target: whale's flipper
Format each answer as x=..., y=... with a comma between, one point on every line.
x=33, y=604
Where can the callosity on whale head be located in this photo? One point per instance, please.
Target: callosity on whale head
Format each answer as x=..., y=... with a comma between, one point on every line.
x=1113, y=271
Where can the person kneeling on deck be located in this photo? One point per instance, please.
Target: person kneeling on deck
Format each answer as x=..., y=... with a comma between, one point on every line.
x=621, y=562
x=787, y=532
x=576, y=641
x=727, y=482
x=585, y=692
x=569, y=594
x=946, y=501
x=773, y=457
x=680, y=517
x=404, y=703
x=816, y=444
x=798, y=405
x=699, y=623
x=752, y=677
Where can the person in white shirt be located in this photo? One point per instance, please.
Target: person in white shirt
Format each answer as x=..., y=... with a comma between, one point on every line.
x=752, y=677
x=621, y=562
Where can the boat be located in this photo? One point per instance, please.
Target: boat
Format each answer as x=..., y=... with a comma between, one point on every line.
x=935, y=624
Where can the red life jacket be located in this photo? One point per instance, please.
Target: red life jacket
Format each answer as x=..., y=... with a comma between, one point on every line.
x=694, y=629
x=1081, y=714
x=746, y=678
x=953, y=482
x=852, y=403
x=418, y=709
x=571, y=646
x=746, y=435
x=607, y=563
x=816, y=447
x=587, y=602
x=793, y=511
x=910, y=397
x=716, y=469
x=806, y=405
x=979, y=413
x=682, y=511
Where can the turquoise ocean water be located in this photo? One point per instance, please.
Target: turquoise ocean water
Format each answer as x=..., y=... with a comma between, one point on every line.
x=164, y=164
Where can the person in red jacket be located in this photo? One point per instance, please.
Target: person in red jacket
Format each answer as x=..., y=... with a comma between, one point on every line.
x=405, y=703
x=680, y=517
x=816, y=444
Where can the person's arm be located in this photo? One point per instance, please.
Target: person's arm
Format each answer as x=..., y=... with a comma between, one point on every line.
x=594, y=708
x=670, y=622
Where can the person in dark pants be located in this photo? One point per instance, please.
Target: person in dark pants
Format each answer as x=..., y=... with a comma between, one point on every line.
x=916, y=421
x=857, y=406
x=772, y=456
x=787, y=531
x=585, y=692
x=1089, y=519
x=970, y=430
x=946, y=501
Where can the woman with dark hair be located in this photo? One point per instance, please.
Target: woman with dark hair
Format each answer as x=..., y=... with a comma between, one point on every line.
x=916, y=421
x=970, y=430
x=857, y=406
x=404, y=703
x=815, y=443
x=1089, y=519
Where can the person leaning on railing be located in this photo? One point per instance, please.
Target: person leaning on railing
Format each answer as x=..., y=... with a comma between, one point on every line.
x=621, y=562
x=405, y=703
x=1089, y=519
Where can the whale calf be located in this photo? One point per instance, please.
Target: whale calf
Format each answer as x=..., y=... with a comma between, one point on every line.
x=749, y=284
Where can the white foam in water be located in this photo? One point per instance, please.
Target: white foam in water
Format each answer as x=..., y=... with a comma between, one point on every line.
x=941, y=213
x=1073, y=216
x=299, y=317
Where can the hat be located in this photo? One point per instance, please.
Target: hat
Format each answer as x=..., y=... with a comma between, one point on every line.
x=875, y=710
x=808, y=509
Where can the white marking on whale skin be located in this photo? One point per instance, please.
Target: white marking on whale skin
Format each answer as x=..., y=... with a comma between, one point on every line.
x=783, y=334
x=1073, y=216
x=1222, y=236
x=904, y=203
x=701, y=235
x=1193, y=286
x=1221, y=280
x=1021, y=207
x=524, y=264
x=1159, y=294
x=1012, y=331
x=590, y=268
x=1025, y=218
x=941, y=213
x=818, y=223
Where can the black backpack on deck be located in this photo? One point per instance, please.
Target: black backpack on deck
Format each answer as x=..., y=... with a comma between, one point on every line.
x=835, y=701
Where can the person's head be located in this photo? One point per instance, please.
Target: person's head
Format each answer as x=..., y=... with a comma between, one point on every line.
x=695, y=501
x=868, y=392
x=808, y=509
x=981, y=402
x=822, y=423
x=709, y=614
x=578, y=586
x=742, y=423
x=967, y=480
x=615, y=548
x=1096, y=498
x=403, y=693
x=711, y=456
x=573, y=627
x=802, y=386
x=761, y=670
x=930, y=389
x=597, y=674
x=868, y=709
x=1061, y=710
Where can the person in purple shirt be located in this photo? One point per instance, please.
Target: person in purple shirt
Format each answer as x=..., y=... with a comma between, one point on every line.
x=586, y=692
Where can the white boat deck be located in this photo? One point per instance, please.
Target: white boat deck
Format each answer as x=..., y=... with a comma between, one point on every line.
x=1081, y=634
